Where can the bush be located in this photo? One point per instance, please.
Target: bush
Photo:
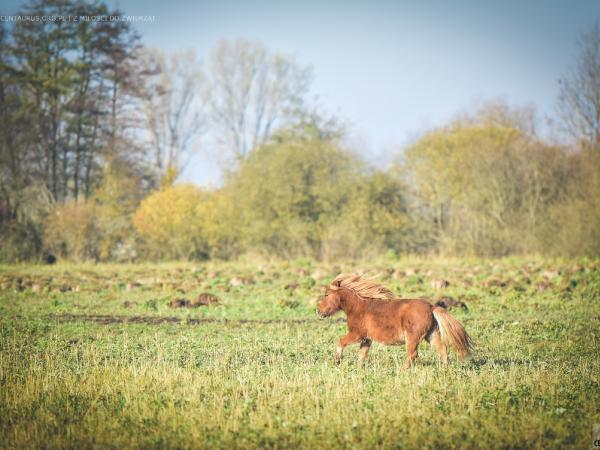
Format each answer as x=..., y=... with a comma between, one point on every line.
x=573, y=225
x=71, y=231
x=303, y=194
x=171, y=222
x=486, y=186
x=19, y=242
x=100, y=228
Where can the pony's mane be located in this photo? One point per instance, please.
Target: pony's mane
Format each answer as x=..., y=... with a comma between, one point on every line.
x=364, y=288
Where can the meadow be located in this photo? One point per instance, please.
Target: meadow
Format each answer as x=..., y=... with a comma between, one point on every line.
x=96, y=356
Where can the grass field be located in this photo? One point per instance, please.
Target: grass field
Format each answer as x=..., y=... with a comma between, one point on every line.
x=93, y=356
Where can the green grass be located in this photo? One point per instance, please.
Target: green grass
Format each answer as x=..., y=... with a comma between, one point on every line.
x=257, y=370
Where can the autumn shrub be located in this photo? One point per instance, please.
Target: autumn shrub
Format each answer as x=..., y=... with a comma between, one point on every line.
x=573, y=224
x=98, y=228
x=223, y=225
x=72, y=231
x=304, y=194
x=288, y=190
x=171, y=222
x=486, y=186
x=116, y=199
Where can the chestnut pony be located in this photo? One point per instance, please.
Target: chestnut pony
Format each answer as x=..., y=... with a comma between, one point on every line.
x=373, y=313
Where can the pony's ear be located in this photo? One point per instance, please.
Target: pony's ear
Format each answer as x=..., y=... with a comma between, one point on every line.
x=337, y=283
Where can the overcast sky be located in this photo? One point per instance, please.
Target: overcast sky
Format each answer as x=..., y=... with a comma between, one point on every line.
x=391, y=68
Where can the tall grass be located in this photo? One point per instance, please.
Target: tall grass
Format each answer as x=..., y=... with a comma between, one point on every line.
x=533, y=381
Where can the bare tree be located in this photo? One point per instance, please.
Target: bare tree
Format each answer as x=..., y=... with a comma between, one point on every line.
x=173, y=102
x=252, y=92
x=579, y=101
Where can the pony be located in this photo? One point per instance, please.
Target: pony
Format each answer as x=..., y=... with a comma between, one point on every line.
x=373, y=313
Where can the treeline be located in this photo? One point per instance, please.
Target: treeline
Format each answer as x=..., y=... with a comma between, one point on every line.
x=96, y=128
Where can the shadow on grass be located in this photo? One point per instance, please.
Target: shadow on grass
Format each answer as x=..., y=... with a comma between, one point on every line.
x=501, y=362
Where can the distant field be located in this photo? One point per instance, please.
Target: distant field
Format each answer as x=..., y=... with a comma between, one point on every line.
x=93, y=356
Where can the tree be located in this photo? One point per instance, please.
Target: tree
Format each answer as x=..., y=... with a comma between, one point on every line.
x=573, y=225
x=63, y=85
x=45, y=72
x=288, y=189
x=579, y=100
x=173, y=101
x=253, y=92
x=17, y=155
x=303, y=194
x=103, y=79
x=487, y=184
x=73, y=78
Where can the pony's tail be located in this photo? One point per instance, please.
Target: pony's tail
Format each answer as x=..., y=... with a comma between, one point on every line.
x=452, y=332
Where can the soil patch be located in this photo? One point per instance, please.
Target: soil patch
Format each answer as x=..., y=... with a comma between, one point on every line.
x=157, y=320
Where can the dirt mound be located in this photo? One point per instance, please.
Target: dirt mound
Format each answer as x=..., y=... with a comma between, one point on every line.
x=439, y=284
x=204, y=299
x=180, y=303
x=449, y=303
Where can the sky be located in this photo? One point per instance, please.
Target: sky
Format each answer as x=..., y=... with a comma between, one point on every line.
x=391, y=69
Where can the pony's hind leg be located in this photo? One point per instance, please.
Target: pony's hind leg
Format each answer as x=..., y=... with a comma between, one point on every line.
x=412, y=342
x=365, y=345
x=437, y=343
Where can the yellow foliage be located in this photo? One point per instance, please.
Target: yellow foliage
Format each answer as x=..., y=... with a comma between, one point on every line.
x=172, y=221
x=71, y=231
x=487, y=185
x=303, y=194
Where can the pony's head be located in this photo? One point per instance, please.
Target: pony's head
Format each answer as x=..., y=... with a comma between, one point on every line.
x=331, y=302
x=362, y=289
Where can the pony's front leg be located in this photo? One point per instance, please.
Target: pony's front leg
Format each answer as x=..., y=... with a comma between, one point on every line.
x=350, y=338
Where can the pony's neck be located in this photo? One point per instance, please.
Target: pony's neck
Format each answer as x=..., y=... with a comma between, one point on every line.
x=350, y=302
